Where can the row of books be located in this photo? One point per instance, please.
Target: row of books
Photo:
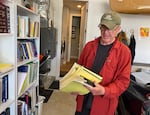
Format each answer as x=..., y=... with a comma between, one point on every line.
x=27, y=27
x=4, y=18
x=27, y=74
x=26, y=49
x=27, y=102
x=6, y=112
x=24, y=110
x=4, y=89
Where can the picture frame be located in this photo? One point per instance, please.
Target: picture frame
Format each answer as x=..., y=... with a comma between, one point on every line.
x=73, y=35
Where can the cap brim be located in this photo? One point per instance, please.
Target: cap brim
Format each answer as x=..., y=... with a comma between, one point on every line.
x=108, y=24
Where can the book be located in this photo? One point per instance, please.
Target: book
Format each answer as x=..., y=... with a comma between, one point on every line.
x=7, y=111
x=22, y=108
x=4, y=67
x=23, y=78
x=5, y=88
x=4, y=18
x=3, y=113
x=78, y=79
x=1, y=86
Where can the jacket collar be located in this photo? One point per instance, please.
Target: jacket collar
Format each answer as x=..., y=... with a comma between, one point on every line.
x=116, y=43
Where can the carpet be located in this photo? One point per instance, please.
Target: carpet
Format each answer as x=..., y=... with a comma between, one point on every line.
x=54, y=85
x=48, y=92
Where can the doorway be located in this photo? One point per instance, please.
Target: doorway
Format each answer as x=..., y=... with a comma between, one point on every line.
x=75, y=36
x=71, y=16
x=73, y=30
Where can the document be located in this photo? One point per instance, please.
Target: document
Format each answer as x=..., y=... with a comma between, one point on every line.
x=78, y=79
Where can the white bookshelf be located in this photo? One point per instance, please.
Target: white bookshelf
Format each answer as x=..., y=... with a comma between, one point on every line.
x=9, y=54
x=32, y=86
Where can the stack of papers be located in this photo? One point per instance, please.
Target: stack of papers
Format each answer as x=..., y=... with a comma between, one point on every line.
x=77, y=79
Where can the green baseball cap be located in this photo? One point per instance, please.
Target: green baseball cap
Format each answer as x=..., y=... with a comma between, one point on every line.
x=110, y=20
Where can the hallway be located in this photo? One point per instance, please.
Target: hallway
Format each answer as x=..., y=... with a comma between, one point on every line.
x=64, y=68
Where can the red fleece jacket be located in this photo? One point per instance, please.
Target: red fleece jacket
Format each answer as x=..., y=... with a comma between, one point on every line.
x=115, y=73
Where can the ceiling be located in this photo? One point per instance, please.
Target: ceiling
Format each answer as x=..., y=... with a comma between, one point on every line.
x=72, y=4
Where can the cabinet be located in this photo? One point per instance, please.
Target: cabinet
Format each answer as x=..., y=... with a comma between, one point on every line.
x=20, y=47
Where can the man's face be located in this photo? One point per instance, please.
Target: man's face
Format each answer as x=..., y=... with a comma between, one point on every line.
x=108, y=36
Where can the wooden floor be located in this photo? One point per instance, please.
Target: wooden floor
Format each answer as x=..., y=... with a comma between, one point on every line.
x=64, y=68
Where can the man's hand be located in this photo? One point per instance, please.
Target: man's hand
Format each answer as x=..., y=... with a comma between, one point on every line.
x=97, y=90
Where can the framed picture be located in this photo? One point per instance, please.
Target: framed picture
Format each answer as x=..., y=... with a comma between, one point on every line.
x=73, y=35
x=144, y=32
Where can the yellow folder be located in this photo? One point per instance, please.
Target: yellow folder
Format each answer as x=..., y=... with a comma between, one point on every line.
x=77, y=79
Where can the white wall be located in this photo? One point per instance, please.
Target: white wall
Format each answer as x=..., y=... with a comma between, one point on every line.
x=135, y=21
x=129, y=21
x=95, y=10
x=83, y=27
x=57, y=18
x=65, y=33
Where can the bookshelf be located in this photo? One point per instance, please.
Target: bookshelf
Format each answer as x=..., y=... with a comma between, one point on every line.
x=7, y=55
x=19, y=46
x=28, y=39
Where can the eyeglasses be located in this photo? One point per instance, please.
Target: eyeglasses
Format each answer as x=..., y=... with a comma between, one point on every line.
x=103, y=28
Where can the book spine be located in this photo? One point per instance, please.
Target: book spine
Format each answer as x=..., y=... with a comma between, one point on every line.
x=34, y=48
x=8, y=19
x=3, y=113
x=4, y=18
x=26, y=99
x=1, y=84
x=7, y=111
x=20, y=52
x=5, y=89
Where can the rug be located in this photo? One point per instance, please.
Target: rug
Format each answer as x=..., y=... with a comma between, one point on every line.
x=48, y=92
x=54, y=85
x=45, y=93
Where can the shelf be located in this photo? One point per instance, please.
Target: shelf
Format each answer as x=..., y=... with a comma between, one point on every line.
x=27, y=54
x=25, y=11
x=21, y=38
x=3, y=106
x=7, y=72
x=26, y=61
x=27, y=88
x=7, y=55
x=6, y=34
x=9, y=1
x=10, y=53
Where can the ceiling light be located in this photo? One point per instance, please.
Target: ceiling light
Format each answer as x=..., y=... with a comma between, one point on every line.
x=78, y=6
